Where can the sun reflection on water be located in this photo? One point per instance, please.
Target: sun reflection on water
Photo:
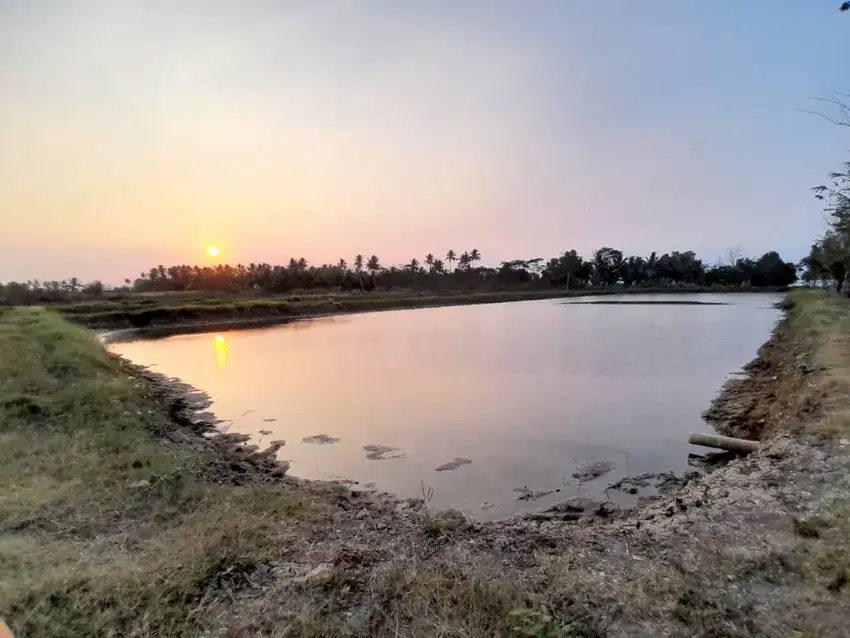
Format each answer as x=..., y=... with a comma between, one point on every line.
x=220, y=352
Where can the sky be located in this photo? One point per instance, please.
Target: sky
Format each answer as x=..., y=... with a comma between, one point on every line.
x=134, y=133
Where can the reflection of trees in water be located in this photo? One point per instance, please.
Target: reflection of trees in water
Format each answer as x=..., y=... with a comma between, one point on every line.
x=220, y=346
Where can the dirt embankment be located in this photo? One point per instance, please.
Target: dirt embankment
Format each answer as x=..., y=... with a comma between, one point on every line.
x=775, y=395
x=177, y=313
x=754, y=548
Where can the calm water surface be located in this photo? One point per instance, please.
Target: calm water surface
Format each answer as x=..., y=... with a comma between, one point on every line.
x=526, y=391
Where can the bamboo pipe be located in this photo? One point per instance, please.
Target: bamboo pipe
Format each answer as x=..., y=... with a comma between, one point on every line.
x=742, y=446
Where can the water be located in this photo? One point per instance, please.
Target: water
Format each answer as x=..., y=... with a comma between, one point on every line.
x=526, y=391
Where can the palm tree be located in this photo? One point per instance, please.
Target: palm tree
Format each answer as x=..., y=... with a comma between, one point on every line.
x=342, y=265
x=474, y=256
x=429, y=261
x=413, y=265
x=451, y=257
x=438, y=267
x=373, y=265
x=463, y=261
x=358, y=263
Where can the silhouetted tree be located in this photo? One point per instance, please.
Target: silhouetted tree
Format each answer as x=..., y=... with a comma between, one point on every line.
x=451, y=257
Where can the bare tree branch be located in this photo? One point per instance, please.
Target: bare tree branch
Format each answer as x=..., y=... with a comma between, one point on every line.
x=834, y=100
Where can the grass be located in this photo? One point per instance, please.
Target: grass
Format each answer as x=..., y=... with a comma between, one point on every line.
x=82, y=551
x=819, y=323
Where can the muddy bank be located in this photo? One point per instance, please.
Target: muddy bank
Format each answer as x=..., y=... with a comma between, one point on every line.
x=197, y=327
x=671, y=302
x=173, y=316
x=772, y=395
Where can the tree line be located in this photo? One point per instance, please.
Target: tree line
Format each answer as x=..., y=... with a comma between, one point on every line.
x=606, y=267
x=828, y=261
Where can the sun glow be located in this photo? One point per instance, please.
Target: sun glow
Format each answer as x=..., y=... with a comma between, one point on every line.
x=220, y=352
x=212, y=251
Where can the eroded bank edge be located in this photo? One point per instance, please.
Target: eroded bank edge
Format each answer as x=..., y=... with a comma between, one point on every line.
x=737, y=410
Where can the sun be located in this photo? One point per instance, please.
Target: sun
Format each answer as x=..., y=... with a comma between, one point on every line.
x=212, y=251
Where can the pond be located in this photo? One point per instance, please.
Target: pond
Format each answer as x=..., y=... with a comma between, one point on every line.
x=525, y=392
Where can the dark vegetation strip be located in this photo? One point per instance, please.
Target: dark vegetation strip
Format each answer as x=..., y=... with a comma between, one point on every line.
x=141, y=313
x=607, y=267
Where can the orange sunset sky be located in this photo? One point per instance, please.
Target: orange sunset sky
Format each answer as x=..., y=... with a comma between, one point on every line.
x=137, y=133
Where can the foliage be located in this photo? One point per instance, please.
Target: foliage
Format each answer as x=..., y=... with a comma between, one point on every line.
x=607, y=267
x=828, y=260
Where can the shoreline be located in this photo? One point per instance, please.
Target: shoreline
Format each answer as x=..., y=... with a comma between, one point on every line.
x=754, y=547
x=261, y=314
x=722, y=415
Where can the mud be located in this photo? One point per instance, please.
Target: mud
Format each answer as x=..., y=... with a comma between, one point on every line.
x=526, y=494
x=381, y=452
x=453, y=464
x=320, y=439
x=618, y=302
x=589, y=471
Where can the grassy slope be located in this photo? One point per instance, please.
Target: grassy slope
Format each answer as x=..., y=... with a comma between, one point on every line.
x=143, y=310
x=819, y=323
x=805, y=390
x=83, y=552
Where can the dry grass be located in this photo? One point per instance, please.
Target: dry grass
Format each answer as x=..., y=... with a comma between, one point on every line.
x=82, y=551
x=821, y=321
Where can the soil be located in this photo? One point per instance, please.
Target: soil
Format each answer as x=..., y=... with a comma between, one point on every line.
x=706, y=554
x=589, y=471
x=672, y=302
x=320, y=439
x=453, y=464
x=381, y=452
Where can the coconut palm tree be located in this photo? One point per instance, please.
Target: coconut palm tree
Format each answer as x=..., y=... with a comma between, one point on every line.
x=373, y=265
x=474, y=256
x=413, y=266
x=358, y=263
x=342, y=265
x=451, y=257
x=429, y=261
